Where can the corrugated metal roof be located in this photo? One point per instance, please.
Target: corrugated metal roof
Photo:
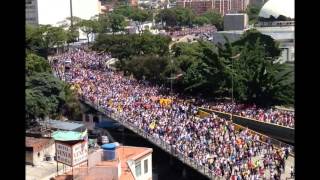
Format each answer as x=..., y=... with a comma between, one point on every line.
x=65, y=125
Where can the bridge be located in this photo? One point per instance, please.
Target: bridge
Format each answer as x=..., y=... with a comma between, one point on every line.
x=169, y=149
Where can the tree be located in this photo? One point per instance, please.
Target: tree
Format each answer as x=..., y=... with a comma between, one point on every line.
x=72, y=31
x=117, y=22
x=167, y=17
x=149, y=67
x=214, y=18
x=250, y=37
x=140, y=16
x=45, y=94
x=36, y=64
x=253, y=13
x=266, y=80
x=200, y=21
x=126, y=46
x=123, y=10
x=184, y=16
x=55, y=36
x=44, y=37
x=89, y=27
x=104, y=23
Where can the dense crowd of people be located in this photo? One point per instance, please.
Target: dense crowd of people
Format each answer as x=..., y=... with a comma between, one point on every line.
x=272, y=115
x=193, y=31
x=212, y=141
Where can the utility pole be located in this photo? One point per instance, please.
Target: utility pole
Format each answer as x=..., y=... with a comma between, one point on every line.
x=171, y=76
x=71, y=15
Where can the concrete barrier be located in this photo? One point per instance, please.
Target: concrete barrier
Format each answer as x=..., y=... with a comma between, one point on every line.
x=275, y=131
x=224, y=115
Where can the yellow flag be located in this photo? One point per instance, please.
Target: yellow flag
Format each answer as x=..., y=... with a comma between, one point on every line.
x=152, y=125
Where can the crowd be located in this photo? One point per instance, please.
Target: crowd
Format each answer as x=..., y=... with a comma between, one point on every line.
x=212, y=142
x=272, y=115
x=193, y=31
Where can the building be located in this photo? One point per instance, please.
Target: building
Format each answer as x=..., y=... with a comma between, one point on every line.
x=235, y=22
x=136, y=28
x=221, y=6
x=239, y=5
x=39, y=149
x=45, y=12
x=127, y=163
x=32, y=12
x=276, y=19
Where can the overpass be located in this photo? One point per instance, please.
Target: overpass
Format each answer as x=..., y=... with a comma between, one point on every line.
x=168, y=148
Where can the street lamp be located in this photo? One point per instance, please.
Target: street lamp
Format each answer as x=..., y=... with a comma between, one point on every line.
x=232, y=59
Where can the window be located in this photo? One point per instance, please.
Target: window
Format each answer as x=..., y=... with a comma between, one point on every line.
x=146, y=166
x=138, y=168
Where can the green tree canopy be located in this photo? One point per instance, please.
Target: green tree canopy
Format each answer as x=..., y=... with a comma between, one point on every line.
x=89, y=27
x=200, y=20
x=45, y=94
x=214, y=18
x=250, y=37
x=36, y=64
x=126, y=46
x=253, y=13
x=117, y=22
x=175, y=17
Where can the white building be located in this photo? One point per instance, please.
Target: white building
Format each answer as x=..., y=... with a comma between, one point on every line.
x=53, y=12
x=134, y=27
x=281, y=30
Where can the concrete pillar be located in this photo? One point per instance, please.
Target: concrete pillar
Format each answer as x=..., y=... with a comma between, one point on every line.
x=184, y=173
x=171, y=161
x=100, y=117
x=90, y=118
x=83, y=117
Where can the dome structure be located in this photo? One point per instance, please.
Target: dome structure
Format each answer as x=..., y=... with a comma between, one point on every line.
x=277, y=9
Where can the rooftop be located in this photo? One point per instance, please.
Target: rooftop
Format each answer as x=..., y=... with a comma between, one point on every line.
x=108, y=169
x=65, y=125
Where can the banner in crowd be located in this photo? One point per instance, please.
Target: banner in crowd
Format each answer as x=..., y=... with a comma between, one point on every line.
x=165, y=102
x=152, y=125
x=203, y=114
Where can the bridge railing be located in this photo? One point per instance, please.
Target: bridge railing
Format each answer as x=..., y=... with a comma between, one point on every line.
x=157, y=141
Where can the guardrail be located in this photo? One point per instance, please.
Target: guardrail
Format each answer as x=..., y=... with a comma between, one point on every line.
x=276, y=131
x=156, y=141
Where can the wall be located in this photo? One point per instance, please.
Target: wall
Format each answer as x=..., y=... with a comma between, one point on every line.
x=49, y=149
x=235, y=22
x=275, y=131
x=29, y=157
x=143, y=176
x=31, y=12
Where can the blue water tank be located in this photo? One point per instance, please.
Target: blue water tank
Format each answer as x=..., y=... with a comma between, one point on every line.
x=109, y=151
